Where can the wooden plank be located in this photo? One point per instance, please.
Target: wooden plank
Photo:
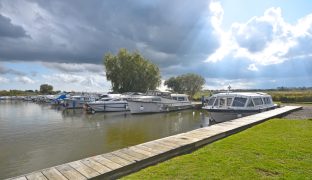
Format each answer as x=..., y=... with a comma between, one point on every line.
x=18, y=178
x=36, y=176
x=162, y=142
x=146, y=148
x=83, y=169
x=95, y=165
x=125, y=156
x=143, y=151
x=117, y=159
x=194, y=137
x=106, y=162
x=53, y=174
x=175, y=141
x=157, y=146
x=134, y=153
x=69, y=172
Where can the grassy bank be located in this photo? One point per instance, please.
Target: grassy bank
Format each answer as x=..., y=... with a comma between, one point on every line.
x=295, y=96
x=278, y=148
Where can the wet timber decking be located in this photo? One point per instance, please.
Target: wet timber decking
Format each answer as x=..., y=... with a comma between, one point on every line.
x=127, y=160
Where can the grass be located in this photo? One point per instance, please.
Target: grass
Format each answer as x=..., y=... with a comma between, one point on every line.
x=292, y=96
x=276, y=149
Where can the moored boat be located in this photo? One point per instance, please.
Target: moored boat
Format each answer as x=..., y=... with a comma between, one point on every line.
x=156, y=101
x=232, y=105
x=76, y=102
x=107, y=104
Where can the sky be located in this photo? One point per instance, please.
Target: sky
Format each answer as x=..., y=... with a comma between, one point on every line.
x=242, y=43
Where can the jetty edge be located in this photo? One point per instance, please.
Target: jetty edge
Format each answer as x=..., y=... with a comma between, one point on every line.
x=130, y=159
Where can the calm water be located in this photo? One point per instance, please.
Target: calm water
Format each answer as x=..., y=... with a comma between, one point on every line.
x=35, y=136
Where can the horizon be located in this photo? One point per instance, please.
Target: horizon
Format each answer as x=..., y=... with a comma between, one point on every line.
x=249, y=45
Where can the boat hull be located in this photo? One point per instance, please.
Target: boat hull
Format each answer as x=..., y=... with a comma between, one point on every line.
x=138, y=107
x=108, y=107
x=221, y=115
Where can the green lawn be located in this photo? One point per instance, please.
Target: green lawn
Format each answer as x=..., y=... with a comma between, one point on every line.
x=278, y=148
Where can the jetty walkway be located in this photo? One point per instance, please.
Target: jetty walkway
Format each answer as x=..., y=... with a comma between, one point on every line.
x=127, y=160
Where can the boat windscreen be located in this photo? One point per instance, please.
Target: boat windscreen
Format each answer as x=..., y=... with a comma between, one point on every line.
x=239, y=102
x=210, y=102
x=229, y=101
x=216, y=102
x=257, y=101
x=267, y=100
x=250, y=103
x=181, y=99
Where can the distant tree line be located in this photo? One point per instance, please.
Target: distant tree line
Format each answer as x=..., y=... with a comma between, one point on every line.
x=44, y=89
x=186, y=83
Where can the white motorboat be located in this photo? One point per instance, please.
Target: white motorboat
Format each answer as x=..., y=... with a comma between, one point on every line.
x=76, y=102
x=107, y=104
x=232, y=105
x=156, y=101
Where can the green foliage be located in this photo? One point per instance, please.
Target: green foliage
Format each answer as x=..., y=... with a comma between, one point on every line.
x=16, y=93
x=292, y=96
x=46, y=89
x=276, y=149
x=130, y=72
x=187, y=83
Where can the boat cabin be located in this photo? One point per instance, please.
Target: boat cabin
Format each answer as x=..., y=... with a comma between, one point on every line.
x=239, y=100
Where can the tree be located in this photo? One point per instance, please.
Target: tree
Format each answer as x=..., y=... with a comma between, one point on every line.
x=187, y=83
x=130, y=72
x=46, y=89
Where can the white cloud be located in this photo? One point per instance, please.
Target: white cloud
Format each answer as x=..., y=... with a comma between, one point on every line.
x=84, y=82
x=24, y=80
x=4, y=80
x=220, y=83
x=265, y=40
x=252, y=67
x=217, y=12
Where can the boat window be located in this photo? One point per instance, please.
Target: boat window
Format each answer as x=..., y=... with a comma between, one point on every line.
x=216, y=102
x=257, y=101
x=229, y=101
x=210, y=102
x=156, y=99
x=222, y=101
x=174, y=98
x=250, y=103
x=181, y=99
x=267, y=100
x=239, y=102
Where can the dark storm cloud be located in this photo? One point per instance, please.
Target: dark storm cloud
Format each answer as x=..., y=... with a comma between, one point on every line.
x=7, y=29
x=166, y=32
x=5, y=70
x=74, y=68
x=296, y=68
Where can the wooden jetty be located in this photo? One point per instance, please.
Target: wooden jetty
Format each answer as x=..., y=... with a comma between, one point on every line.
x=124, y=161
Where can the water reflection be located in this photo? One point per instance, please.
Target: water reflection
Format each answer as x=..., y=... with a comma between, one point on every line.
x=35, y=136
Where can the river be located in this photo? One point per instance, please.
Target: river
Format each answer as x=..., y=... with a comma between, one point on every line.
x=36, y=136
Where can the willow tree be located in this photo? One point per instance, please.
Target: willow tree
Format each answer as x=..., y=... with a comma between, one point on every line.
x=186, y=83
x=131, y=72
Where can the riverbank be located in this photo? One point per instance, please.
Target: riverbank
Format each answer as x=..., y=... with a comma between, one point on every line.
x=124, y=161
x=278, y=148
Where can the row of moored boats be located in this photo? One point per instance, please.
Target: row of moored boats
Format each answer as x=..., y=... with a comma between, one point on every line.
x=221, y=106
x=150, y=102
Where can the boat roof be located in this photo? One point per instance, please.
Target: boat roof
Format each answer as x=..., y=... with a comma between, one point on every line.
x=250, y=94
x=179, y=95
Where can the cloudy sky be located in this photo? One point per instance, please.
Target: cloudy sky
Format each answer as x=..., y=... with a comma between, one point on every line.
x=247, y=44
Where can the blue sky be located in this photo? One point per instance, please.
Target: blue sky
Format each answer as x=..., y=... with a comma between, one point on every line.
x=247, y=44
